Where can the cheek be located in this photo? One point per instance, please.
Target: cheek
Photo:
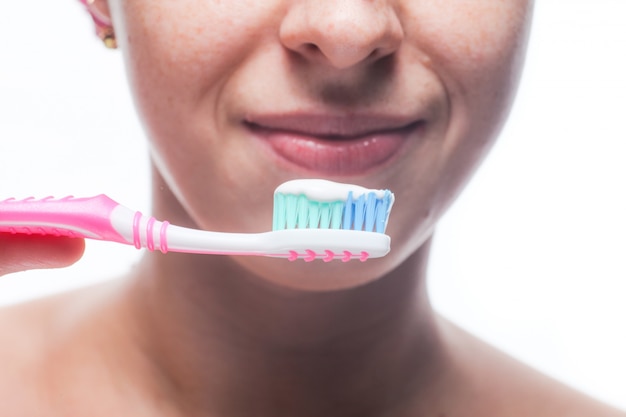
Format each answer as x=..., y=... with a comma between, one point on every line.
x=475, y=46
x=477, y=49
x=168, y=52
x=179, y=53
x=179, y=56
x=488, y=64
x=474, y=30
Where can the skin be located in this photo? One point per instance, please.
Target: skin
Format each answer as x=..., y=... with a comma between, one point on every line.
x=186, y=335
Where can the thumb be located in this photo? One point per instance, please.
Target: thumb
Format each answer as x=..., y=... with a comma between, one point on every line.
x=22, y=252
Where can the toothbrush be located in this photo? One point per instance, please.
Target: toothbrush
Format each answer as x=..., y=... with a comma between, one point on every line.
x=313, y=219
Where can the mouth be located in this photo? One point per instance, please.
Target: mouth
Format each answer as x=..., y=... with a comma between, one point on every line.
x=334, y=145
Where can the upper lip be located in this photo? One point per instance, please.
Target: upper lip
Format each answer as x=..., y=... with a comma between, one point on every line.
x=330, y=126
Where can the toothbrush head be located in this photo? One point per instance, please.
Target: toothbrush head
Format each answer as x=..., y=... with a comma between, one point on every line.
x=332, y=220
x=321, y=204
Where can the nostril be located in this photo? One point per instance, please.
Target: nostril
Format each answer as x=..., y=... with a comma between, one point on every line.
x=375, y=54
x=311, y=49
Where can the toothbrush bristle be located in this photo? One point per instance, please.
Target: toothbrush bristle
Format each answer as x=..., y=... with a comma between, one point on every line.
x=368, y=212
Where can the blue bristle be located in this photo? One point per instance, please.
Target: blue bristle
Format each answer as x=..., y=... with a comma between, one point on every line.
x=370, y=212
x=359, y=213
x=382, y=211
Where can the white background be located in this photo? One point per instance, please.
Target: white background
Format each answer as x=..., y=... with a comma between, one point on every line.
x=531, y=258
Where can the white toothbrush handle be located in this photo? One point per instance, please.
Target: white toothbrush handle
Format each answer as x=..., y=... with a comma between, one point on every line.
x=309, y=244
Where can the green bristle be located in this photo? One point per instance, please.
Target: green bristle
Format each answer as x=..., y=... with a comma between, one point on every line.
x=325, y=215
x=303, y=212
x=291, y=212
x=279, y=211
x=314, y=215
x=336, y=217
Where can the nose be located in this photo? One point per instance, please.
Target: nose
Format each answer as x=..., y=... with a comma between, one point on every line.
x=341, y=33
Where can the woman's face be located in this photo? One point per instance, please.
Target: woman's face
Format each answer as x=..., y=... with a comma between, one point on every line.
x=238, y=96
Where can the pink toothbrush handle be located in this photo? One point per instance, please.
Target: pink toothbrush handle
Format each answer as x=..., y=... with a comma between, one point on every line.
x=104, y=219
x=74, y=217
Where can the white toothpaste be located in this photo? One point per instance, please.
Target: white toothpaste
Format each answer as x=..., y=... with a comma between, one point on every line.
x=323, y=190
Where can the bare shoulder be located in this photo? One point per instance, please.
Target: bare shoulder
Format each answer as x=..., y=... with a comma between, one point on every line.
x=28, y=330
x=511, y=388
x=54, y=360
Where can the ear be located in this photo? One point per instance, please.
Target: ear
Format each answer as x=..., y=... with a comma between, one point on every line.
x=99, y=11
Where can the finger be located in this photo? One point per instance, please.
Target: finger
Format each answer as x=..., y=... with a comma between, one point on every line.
x=21, y=252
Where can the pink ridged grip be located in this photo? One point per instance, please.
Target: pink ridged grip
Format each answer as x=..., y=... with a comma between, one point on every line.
x=74, y=217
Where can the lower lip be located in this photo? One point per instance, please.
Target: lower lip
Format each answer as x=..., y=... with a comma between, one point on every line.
x=351, y=156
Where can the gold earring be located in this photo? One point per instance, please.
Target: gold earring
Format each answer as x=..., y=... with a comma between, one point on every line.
x=108, y=37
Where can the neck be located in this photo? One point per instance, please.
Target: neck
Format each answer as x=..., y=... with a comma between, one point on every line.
x=229, y=343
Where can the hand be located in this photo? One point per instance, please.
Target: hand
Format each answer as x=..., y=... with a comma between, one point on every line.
x=22, y=252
